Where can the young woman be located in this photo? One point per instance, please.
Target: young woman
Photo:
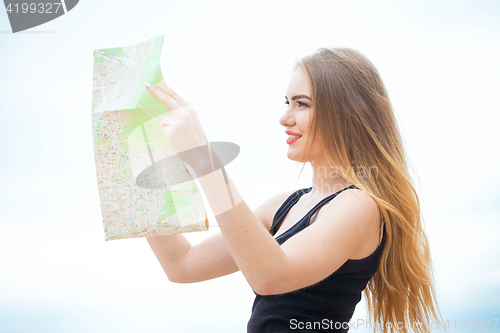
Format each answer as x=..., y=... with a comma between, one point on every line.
x=308, y=254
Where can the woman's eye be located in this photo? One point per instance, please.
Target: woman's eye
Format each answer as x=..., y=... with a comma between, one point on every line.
x=299, y=103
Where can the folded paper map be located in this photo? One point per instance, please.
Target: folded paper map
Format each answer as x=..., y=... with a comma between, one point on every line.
x=128, y=140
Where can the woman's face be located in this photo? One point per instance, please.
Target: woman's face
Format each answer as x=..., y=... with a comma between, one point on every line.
x=297, y=116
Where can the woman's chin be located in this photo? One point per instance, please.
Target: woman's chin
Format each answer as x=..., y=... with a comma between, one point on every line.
x=293, y=155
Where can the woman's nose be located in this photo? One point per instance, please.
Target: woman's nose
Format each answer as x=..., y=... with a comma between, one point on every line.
x=287, y=120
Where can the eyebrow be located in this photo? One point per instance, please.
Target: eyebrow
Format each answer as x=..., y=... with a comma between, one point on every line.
x=299, y=96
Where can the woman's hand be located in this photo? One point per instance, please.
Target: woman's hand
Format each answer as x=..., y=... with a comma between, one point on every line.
x=182, y=128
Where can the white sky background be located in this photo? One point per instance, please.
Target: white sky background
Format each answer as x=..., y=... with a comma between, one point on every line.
x=233, y=61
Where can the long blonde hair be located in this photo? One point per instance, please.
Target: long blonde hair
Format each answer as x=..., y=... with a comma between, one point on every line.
x=354, y=120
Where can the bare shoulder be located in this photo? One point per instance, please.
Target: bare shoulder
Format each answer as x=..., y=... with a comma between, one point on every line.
x=356, y=202
x=355, y=197
x=266, y=211
x=364, y=213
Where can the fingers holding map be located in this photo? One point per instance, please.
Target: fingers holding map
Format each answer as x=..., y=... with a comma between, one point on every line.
x=139, y=196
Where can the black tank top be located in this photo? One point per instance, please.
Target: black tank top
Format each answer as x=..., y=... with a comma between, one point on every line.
x=323, y=306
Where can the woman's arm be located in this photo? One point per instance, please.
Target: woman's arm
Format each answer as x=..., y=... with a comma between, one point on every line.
x=184, y=263
x=348, y=224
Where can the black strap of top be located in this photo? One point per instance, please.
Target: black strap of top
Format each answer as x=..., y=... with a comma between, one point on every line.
x=289, y=202
x=292, y=200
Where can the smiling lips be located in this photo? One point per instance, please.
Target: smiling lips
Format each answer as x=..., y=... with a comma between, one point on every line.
x=292, y=137
x=291, y=140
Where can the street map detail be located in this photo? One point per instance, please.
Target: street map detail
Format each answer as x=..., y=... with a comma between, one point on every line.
x=128, y=140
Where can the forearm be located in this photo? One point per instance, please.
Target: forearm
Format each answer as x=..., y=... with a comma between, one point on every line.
x=171, y=252
x=257, y=254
